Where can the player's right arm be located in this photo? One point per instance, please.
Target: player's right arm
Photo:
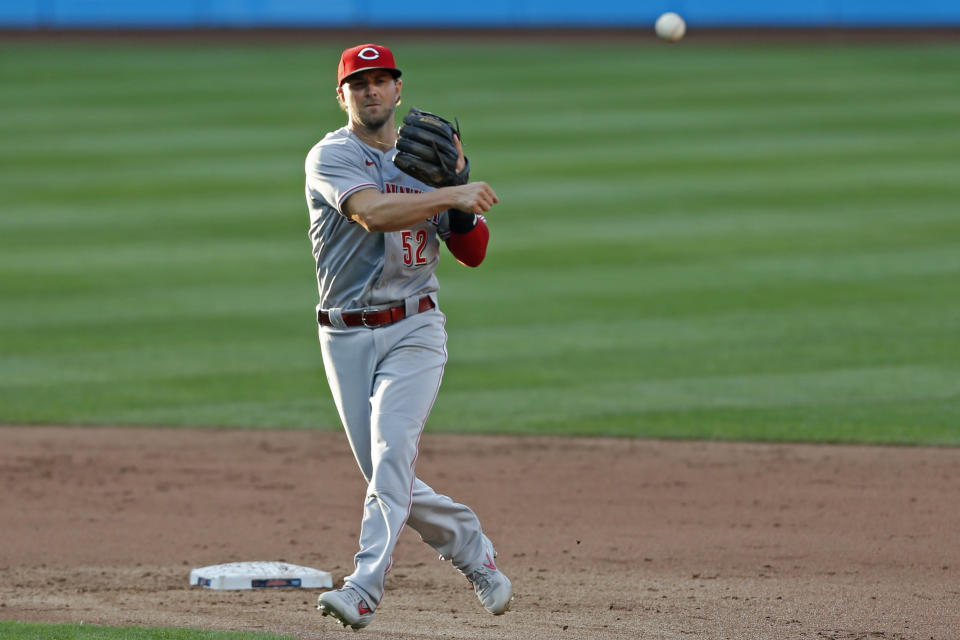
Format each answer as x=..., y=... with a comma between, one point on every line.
x=335, y=175
x=383, y=212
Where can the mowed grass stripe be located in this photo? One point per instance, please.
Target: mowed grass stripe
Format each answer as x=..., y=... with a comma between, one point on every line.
x=44, y=122
x=166, y=169
x=230, y=298
x=756, y=176
x=229, y=137
x=568, y=122
x=793, y=390
x=13, y=630
x=753, y=153
x=210, y=244
x=177, y=209
x=573, y=199
x=826, y=181
x=658, y=319
x=628, y=409
x=686, y=215
x=748, y=149
x=146, y=253
x=920, y=245
x=200, y=357
x=723, y=273
x=851, y=406
x=925, y=220
x=668, y=336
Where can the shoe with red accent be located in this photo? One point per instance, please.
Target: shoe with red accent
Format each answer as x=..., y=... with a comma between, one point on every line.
x=347, y=606
x=491, y=586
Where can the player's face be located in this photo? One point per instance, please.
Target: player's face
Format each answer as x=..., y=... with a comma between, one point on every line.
x=371, y=97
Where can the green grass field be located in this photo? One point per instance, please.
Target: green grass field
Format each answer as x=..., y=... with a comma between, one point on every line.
x=694, y=241
x=32, y=631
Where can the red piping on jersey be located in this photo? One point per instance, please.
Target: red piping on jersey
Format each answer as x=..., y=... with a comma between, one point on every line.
x=470, y=248
x=352, y=190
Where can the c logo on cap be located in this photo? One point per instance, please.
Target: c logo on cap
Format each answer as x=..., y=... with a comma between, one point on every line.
x=368, y=53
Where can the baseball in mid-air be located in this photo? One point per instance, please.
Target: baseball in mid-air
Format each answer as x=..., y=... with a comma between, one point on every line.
x=670, y=27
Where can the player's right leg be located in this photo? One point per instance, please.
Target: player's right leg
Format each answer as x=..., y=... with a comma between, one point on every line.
x=347, y=606
x=349, y=361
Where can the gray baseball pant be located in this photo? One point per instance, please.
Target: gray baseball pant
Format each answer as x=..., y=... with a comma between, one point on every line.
x=384, y=382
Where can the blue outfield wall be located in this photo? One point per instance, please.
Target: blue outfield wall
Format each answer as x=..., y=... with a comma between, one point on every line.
x=489, y=13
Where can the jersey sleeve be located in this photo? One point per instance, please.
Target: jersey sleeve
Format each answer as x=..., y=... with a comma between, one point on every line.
x=335, y=171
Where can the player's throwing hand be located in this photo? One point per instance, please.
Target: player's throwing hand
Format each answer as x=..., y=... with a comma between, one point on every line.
x=478, y=197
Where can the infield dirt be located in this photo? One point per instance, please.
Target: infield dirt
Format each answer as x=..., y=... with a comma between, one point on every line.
x=603, y=538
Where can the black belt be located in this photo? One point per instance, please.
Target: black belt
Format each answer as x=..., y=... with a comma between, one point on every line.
x=378, y=318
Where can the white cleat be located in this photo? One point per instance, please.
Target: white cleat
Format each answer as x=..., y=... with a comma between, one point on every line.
x=491, y=586
x=347, y=607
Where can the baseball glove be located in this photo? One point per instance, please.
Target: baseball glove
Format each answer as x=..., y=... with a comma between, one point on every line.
x=427, y=152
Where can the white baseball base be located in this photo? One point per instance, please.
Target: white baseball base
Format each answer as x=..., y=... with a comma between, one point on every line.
x=260, y=575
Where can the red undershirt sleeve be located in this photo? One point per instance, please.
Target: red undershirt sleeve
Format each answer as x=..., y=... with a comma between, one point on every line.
x=470, y=248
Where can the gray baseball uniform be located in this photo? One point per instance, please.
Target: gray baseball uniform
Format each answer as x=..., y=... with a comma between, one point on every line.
x=384, y=380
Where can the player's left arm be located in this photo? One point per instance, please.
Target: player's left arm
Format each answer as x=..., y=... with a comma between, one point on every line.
x=468, y=238
x=469, y=234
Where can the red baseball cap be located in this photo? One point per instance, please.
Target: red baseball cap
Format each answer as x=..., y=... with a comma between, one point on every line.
x=363, y=57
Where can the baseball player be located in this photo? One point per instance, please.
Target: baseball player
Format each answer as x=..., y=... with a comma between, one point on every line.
x=376, y=235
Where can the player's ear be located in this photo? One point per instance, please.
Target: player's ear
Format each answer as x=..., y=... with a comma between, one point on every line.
x=341, y=101
x=399, y=89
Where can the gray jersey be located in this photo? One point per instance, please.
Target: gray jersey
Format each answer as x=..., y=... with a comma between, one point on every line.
x=357, y=269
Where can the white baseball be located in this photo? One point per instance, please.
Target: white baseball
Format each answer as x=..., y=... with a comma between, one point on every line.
x=670, y=27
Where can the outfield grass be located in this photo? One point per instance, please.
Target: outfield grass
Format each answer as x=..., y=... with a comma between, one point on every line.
x=32, y=631
x=705, y=241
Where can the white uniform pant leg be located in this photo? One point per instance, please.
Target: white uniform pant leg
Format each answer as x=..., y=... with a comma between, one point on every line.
x=384, y=415
x=452, y=529
x=349, y=361
x=407, y=379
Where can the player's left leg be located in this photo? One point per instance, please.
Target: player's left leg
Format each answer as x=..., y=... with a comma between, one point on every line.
x=455, y=532
x=451, y=528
